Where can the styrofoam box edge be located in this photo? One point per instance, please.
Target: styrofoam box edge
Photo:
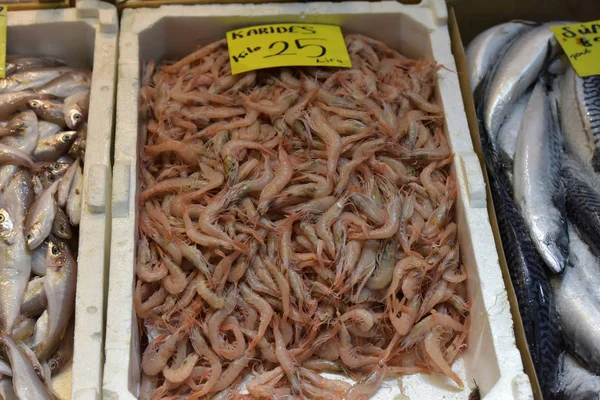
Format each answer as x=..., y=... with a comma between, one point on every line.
x=492, y=359
x=95, y=219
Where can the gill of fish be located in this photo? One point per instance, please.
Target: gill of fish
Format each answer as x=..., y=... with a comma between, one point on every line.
x=580, y=116
x=537, y=186
x=59, y=285
x=26, y=383
x=15, y=268
x=489, y=46
x=517, y=70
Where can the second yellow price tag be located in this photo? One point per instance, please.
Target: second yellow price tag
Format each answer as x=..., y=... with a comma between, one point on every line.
x=286, y=45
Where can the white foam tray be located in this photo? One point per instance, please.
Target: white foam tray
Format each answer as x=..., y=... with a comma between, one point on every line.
x=492, y=359
x=86, y=37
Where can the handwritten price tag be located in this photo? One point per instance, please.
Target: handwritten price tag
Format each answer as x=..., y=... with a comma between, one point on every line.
x=2, y=41
x=286, y=45
x=581, y=43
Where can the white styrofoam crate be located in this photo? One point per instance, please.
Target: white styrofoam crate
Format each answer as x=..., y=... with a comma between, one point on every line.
x=84, y=37
x=492, y=360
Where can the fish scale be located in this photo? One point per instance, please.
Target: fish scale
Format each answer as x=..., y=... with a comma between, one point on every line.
x=531, y=283
x=591, y=98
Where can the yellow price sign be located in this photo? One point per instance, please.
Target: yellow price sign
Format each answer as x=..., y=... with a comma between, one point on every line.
x=286, y=45
x=2, y=40
x=581, y=43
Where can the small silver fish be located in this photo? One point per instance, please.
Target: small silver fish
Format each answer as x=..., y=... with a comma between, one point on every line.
x=46, y=129
x=40, y=217
x=26, y=383
x=50, y=148
x=24, y=63
x=487, y=48
x=64, y=184
x=48, y=110
x=77, y=149
x=67, y=84
x=59, y=285
x=18, y=196
x=64, y=353
x=27, y=133
x=12, y=156
x=53, y=172
x=75, y=109
x=61, y=227
x=74, y=200
x=11, y=102
x=6, y=389
x=41, y=329
x=517, y=70
x=24, y=330
x=536, y=175
x=38, y=259
x=30, y=79
x=34, y=302
x=15, y=268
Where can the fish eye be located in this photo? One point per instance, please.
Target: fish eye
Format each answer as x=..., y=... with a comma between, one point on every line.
x=29, y=236
x=2, y=218
x=77, y=117
x=62, y=229
x=50, y=178
x=55, y=250
x=67, y=138
x=53, y=364
x=56, y=166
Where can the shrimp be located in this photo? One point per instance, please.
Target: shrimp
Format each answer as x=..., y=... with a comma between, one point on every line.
x=147, y=267
x=436, y=357
x=175, y=282
x=368, y=207
x=326, y=220
x=330, y=137
x=363, y=318
x=234, y=369
x=285, y=360
x=155, y=356
x=348, y=353
x=276, y=185
x=366, y=387
x=195, y=56
x=214, y=300
x=391, y=225
x=264, y=309
x=402, y=267
x=263, y=385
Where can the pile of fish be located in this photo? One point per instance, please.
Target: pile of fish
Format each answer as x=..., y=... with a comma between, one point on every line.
x=294, y=222
x=43, y=108
x=540, y=132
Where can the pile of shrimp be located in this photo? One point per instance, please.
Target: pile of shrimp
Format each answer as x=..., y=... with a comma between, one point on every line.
x=294, y=222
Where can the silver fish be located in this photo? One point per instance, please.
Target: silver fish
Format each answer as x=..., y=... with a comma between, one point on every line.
x=76, y=108
x=26, y=383
x=536, y=178
x=18, y=196
x=15, y=268
x=6, y=389
x=5, y=368
x=41, y=329
x=48, y=110
x=61, y=227
x=27, y=133
x=30, y=79
x=74, y=201
x=38, y=259
x=53, y=172
x=34, y=302
x=40, y=217
x=517, y=70
x=64, y=184
x=12, y=156
x=24, y=330
x=575, y=382
x=60, y=281
x=578, y=306
x=63, y=354
x=52, y=147
x=23, y=63
x=46, y=129
x=509, y=131
x=11, y=102
x=67, y=84
x=580, y=117
x=487, y=48
x=77, y=149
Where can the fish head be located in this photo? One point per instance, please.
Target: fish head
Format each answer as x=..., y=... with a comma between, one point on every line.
x=58, y=254
x=74, y=117
x=67, y=137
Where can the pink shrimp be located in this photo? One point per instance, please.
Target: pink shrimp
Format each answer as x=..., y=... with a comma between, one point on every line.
x=282, y=177
x=391, y=225
x=330, y=137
